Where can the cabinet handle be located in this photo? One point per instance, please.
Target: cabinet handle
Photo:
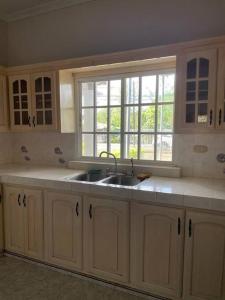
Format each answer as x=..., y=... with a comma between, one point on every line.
x=211, y=117
x=77, y=209
x=29, y=121
x=34, y=121
x=220, y=116
x=90, y=211
x=179, y=226
x=190, y=228
x=18, y=200
x=24, y=200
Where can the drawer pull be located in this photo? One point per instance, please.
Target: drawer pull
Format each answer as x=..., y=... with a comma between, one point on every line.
x=211, y=117
x=77, y=209
x=179, y=226
x=18, y=200
x=90, y=211
x=220, y=116
x=190, y=228
x=24, y=201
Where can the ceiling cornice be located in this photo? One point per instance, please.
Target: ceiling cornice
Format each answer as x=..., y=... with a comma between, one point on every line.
x=40, y=9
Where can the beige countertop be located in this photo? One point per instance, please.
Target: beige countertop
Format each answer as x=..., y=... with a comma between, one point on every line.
x=186, y=191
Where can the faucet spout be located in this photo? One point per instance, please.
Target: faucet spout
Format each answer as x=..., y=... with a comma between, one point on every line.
x=110, y=154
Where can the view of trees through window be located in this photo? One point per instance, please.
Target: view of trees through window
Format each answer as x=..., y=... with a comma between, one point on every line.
x=129, y=116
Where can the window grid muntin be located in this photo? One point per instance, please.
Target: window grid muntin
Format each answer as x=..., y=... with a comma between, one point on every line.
x=122, y=132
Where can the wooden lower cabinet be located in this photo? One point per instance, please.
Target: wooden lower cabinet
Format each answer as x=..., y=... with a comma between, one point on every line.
x=24, y=221
x=63, y=219
x=106, y=238
x=157, y=249
x=1, y=222
x=204, y=267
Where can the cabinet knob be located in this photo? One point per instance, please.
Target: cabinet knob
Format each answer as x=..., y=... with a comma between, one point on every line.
x=18, y=200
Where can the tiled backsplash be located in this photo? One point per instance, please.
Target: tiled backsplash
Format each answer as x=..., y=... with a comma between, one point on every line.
x=196, y=154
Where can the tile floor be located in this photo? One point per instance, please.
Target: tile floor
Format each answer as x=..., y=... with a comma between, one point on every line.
x=21, y=280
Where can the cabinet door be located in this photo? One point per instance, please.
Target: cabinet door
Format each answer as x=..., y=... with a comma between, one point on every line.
x=63, y=215
x=1, y=222
x=220, y=111
x=204, y=266
x=33, y=221
x=20, y=102
x=3, y=104
x=14, y=220
x=196, y=90
x=156, y=249
x=106, y=238
x=44, y=101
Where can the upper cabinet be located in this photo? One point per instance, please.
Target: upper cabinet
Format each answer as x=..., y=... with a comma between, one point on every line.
x=3, y=104
x=196, y=90
x=220, y=113
x=33, y=102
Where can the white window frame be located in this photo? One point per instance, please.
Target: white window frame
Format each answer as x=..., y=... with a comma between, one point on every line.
x=107, y=77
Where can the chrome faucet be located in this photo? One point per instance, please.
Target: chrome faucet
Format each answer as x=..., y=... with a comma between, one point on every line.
x=111, y=154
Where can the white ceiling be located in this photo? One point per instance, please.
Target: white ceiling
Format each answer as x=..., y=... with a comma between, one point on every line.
x=12, y=10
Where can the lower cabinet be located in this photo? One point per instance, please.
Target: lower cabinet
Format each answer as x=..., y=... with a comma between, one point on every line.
x=204, y=267
x=63, y=219
x=106, y=238
x=24, y=221
x=157, y=249
x=1, y=222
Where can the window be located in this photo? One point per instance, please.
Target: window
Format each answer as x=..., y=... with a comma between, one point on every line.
x=130, y=116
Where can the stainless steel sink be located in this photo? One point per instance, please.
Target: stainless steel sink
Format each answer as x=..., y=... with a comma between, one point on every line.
x=122, y=180
x=88, y=177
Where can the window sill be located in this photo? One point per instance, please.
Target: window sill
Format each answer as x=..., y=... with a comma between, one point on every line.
x=156, y=170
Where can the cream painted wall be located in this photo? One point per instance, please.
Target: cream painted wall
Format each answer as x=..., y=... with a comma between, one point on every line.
x=104, y=26
x=3, y=43
x=6, y=148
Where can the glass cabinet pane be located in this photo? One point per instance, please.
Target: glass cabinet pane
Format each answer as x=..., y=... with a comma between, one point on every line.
x=16, y=101
x=191, y=91
x=48, y=100
x=39, y=101
x=190, y=113
x=23, y=86
x=203, y=67
x=203, y=90
x=192, y=69
x=17, y=118
x=16, y=87
x=47, y=84
x=48, y=117
x=25, y=117
x=24, y=102
x=38, y=85
x=202, y=113
x=40, y=118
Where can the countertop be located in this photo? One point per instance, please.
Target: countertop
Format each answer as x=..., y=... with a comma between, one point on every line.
x=185, y=192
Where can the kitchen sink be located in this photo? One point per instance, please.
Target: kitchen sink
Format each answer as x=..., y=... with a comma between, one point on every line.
x=122, y=180
x=88, y=177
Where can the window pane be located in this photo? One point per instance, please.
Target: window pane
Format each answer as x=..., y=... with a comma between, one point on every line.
x=164, y=147
x=166, y=87
x=115, y=119
x=101, y=143
x=148, y=89
x=165, y=118
x=88, y=119
x=148, y=118
x=147, y=146
x=87, y=90
x=131, y=118
x=131, y=146
x=102, y=93
x=87, y=145
x=115, y=92
x=102, y=119
x=132, y=90
x=114, y=144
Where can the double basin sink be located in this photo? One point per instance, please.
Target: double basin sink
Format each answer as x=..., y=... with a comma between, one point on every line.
x=122, y=180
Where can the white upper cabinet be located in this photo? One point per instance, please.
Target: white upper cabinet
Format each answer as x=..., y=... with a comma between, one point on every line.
x=220, y=111
x=3, y=104
x=196, y=90
x=33, y=102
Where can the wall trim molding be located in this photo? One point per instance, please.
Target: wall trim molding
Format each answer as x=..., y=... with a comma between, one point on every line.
x=40, y=9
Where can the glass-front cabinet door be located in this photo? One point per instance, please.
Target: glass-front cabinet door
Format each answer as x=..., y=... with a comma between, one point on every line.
x=20, y=99
x=44, y=101
x=196, y=89
x=220, y=110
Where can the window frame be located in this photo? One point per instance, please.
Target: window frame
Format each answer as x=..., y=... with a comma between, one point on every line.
x=95, y=77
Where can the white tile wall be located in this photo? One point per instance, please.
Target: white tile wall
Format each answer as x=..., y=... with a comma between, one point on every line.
x=41, y=146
